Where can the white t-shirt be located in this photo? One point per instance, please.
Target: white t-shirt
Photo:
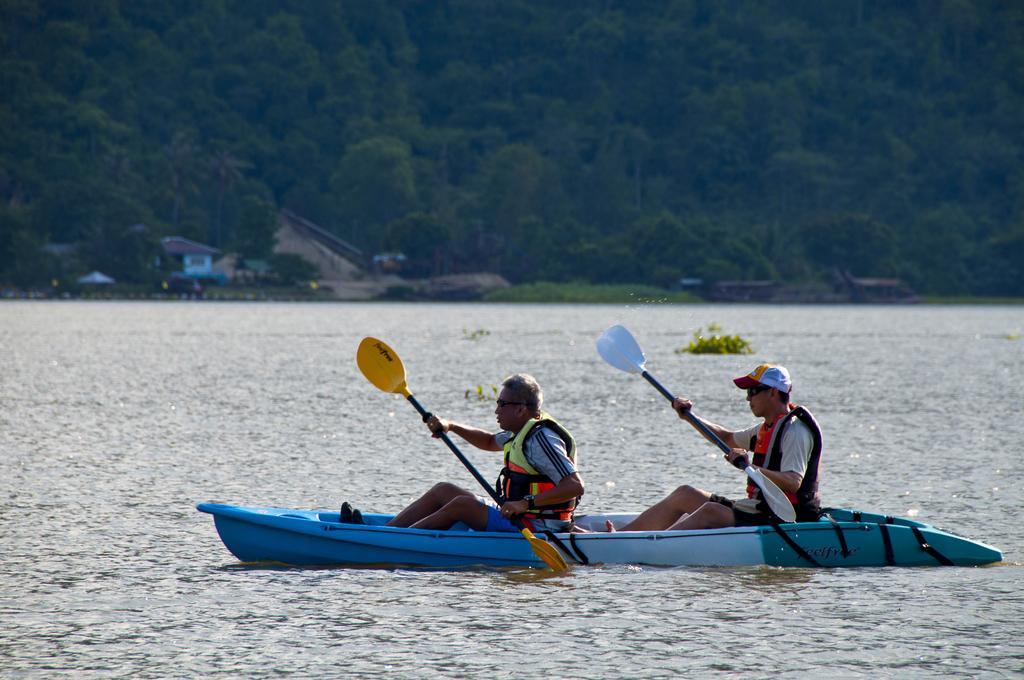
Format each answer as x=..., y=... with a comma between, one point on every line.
x=797, y=445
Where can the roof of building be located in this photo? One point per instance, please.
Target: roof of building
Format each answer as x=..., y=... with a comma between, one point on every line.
x=177, y=245
x=876, y=282
x=96, y=277
x=747, y=284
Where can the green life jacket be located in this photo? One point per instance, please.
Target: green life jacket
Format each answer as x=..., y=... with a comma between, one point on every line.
x=518, y=478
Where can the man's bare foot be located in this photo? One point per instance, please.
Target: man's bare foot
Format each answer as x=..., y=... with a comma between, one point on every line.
x=609, y=527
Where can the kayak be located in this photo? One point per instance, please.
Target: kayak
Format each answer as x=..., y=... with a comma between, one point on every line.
x=841, y=538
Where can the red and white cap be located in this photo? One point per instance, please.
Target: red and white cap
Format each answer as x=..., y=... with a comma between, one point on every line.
x=768, y=375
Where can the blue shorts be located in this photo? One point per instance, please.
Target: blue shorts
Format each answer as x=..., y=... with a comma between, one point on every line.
x=495, y=522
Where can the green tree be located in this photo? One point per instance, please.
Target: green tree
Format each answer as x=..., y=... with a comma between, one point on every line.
x=423, y=240
x=226, y=169
x=292, y=269
x=1003, y=273
x=255, y=236
x=23, y=261
x=126, y=252
x=182, y=162
x=519, y=184
x=942, y=252
x=374, y=185
x=532, y=130
x=858, y=244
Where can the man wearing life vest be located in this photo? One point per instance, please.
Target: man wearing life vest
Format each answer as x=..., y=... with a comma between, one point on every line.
x=786, y=447
x=539, y=482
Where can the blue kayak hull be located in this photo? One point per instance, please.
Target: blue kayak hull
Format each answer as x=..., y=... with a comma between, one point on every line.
x=849, y=539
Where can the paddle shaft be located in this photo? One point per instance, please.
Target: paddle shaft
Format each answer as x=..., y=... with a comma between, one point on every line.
x=451, y=445
x=704, y=429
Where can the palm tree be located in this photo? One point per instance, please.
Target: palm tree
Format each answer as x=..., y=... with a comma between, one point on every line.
x=181, y=154
x=228, y=170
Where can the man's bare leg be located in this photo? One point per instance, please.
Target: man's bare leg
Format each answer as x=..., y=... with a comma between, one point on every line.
x=668, y=510
x=440, y=495
x=466, y=509
x=708, y=516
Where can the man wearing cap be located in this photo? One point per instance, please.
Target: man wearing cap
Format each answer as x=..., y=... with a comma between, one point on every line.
x=786, y=447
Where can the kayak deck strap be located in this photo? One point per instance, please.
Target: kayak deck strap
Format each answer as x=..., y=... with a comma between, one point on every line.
x=930, y=549
x=839, y=534
x=890, y=559
x=795, y=546
x=576, y=553
x=579, y=551
x=858, y=516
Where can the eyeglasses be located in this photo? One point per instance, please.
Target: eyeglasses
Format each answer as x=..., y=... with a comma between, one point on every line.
x=503, y=403
x=751, y=391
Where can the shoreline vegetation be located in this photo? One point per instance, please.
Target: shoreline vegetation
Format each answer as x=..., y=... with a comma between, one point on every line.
x=619, y=143
x=577, y=292
x=541, y=292
x=967, y=300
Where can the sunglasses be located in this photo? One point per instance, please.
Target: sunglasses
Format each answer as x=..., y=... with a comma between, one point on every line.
x=751, y=391
x=502, y=403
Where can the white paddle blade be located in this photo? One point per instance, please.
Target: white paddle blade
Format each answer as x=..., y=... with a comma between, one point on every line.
x=773, y=495
x=619, y=348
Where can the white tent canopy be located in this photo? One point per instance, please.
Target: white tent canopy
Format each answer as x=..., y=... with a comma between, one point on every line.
x=95, y=277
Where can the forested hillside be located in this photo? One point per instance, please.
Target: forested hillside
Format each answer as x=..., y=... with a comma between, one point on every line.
x=613, y=141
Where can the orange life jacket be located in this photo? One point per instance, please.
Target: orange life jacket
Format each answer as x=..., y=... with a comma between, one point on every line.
x=768, y=454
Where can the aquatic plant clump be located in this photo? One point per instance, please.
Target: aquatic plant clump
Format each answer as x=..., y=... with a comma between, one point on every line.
x=716, y=343
x=481, y=394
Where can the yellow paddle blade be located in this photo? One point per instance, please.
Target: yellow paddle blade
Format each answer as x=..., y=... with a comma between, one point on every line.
x=545, y=551
x=382, y=366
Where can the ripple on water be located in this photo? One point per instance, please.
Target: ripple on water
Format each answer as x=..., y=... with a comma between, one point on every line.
x=116, y=418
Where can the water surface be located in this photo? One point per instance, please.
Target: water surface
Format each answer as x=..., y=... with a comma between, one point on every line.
x=116, y=418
